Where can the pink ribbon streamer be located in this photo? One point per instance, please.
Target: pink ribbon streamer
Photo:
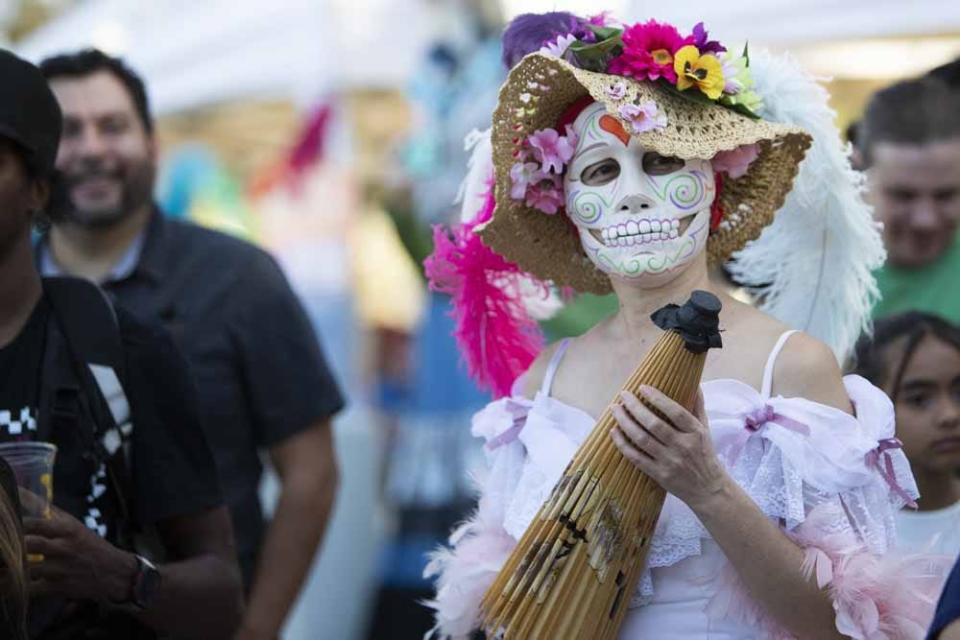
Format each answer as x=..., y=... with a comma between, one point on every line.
x=886, y=469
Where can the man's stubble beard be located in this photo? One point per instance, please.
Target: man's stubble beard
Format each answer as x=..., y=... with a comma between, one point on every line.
x=137, y=191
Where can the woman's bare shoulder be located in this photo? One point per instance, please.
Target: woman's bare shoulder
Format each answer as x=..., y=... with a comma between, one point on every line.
x=808, y=368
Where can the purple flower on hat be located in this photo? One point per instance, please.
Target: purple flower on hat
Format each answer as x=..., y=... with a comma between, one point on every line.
x=546, y=195
x=643, y=117
x=551, y=149
x=617, y=91
x=602, y=19
x=701, y=41
x=522, y=175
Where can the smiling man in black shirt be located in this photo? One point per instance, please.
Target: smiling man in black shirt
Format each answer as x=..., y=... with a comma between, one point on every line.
x=263, y=384
x=90, y=582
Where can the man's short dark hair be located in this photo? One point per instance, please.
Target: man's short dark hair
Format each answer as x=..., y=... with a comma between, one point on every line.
x=948, y=73
x=89, y=61
x=914, y=112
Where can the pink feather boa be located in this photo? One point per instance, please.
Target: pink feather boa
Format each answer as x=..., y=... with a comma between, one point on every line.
x=875, y=597
x=464, y=572
x=496, y=335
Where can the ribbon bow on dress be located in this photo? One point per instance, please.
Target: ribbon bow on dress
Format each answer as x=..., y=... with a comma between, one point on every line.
x=518, y=410
x=756, y=420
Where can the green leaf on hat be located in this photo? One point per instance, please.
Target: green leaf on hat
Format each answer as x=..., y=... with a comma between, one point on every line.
x=595, y=56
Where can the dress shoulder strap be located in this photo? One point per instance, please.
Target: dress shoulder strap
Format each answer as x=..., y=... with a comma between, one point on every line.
x=772, y=360
x=553, y=365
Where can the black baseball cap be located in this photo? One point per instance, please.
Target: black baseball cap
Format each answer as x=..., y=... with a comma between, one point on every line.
x=29, y=113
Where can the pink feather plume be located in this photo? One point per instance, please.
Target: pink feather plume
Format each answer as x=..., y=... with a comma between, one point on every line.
x=496, y=335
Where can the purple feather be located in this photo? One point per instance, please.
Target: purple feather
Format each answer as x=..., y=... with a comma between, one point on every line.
x=529, y=31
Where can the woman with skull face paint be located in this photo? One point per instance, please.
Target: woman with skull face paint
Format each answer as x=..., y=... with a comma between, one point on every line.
x=625, y=160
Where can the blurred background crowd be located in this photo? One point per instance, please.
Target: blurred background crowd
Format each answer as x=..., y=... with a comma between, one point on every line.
x=331, y=133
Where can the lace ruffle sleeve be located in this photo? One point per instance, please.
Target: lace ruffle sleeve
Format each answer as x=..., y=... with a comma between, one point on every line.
x=834, y=482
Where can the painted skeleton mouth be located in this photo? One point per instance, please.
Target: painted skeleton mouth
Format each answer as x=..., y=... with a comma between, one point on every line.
x=643, y=231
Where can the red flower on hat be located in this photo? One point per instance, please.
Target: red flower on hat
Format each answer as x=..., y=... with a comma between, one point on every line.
x=648, y=50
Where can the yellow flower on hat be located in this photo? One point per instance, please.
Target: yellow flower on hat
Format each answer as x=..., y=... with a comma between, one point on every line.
x=702, y=71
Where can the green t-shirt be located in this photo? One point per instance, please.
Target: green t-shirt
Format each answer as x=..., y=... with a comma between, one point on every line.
x=934, y=288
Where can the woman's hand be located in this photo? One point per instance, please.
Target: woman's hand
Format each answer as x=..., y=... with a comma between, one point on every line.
x=679, y=456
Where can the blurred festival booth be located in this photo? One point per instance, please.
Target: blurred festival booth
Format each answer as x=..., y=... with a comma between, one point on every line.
x=332, y=133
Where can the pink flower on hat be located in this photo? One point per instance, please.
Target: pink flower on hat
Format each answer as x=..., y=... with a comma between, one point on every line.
x=522, y=175
x=648, y=50
x=735, y=162
x=643, y=117
x=552, y=150
x=546, y=195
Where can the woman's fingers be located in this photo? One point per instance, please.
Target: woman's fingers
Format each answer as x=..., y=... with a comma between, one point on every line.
x=657, y=426
x=636, y=433
x=638, y=458
x=679, y=417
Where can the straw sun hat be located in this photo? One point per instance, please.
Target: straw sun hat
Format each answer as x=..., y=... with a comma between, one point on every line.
x=538, y=92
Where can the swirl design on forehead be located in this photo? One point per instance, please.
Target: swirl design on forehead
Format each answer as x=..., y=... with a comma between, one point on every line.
x=587, y=207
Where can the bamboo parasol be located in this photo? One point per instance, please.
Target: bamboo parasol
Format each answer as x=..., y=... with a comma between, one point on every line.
x=578, y=563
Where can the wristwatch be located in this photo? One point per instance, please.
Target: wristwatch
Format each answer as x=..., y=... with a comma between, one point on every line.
x=146, y=583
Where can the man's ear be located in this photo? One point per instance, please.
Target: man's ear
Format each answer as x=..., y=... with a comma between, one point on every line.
x=39, y=194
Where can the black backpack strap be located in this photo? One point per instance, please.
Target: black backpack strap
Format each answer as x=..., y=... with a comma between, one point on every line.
x=82, y=371
x=88, y=320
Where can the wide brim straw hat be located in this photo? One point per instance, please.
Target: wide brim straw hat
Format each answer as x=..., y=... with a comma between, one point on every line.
x=537, y=93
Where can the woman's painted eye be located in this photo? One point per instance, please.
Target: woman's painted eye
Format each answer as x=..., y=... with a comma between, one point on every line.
x=600, y=173
x=655, y=164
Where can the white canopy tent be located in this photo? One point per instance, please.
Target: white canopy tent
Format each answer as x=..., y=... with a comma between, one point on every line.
x=191, y=53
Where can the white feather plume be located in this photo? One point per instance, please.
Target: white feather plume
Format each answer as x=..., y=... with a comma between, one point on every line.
x=476, y=183
x=540, y=302
x=811, y=268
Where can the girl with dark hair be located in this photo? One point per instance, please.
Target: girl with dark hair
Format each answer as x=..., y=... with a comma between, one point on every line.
x=915, y=358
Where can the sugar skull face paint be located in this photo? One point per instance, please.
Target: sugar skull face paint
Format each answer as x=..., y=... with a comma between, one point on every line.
x=640, y=215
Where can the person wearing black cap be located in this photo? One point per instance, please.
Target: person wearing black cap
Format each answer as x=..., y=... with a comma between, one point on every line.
x=132, y=459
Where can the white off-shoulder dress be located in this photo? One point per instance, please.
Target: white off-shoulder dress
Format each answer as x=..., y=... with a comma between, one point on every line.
x=831, y=481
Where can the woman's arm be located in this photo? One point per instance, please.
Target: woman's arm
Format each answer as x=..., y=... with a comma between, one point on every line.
x=681, y=458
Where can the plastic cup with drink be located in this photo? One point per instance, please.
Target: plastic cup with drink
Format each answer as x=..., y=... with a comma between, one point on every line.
x=32, y=464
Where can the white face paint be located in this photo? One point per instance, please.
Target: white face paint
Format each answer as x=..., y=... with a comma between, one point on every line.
x=640, y=215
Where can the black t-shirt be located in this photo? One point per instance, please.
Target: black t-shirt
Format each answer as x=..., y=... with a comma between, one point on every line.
x=20, y=363
x=172, y=468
